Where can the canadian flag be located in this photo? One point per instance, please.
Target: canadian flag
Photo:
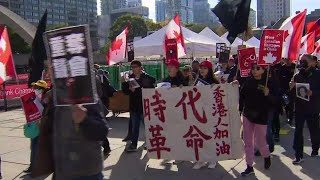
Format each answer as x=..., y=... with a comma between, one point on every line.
x=118, y=50
x=174, y=31
x=307, y=43
x=293, y=29
x=7, y=69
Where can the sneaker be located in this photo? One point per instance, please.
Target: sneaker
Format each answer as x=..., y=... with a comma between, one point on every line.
x=314, y=153
x=177, y=162
x=248, y=171
x=297, y=161
x=131, y=148
x=267, y=162
x=212, y=165
x=28, y=170
x=199, y=165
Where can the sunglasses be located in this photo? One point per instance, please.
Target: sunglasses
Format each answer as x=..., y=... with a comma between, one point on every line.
x=256, y=68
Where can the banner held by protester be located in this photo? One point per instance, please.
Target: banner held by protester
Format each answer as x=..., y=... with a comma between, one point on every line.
x=246, y=58
x=70, y=56
x=32, y=107
x=271, y=47
x=193, y=123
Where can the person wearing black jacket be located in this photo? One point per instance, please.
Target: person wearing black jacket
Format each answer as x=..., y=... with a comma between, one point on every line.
x=255, y=102
x=135, y=99
x=175, y=78
x=307, y=110
x=286, y=73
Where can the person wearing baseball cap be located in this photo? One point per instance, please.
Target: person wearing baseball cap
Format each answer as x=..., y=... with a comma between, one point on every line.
x=175, y=75
x=206, y=72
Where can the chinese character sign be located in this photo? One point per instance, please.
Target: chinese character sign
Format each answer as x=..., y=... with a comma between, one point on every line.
x=199, y=123
x=32, y=107
x=271, y=47
x=246, y=58
x=70, y=55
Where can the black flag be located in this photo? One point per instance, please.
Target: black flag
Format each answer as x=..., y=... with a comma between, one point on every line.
x=233, y=15
x=38, y=55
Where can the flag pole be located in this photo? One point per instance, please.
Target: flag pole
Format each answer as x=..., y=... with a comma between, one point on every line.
x=267, y=79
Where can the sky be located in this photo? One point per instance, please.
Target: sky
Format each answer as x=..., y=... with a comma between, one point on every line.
x=297, y=5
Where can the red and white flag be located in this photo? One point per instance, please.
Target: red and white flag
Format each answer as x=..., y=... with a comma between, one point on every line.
x=307, y=43
x=317, y=51
x=7, y=69
x=118, y=50
x=293, y=30
x=174, y=31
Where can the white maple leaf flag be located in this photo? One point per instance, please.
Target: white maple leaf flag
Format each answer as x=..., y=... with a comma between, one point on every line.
x=269, y=59
x=118, y=49
x=174, y=31
x=293, y=30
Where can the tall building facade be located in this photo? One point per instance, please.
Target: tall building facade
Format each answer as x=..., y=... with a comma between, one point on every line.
x=161, y=9
x=270, y=11
x=134, y=3
x=313, y=16
x=183, y=7
x=253, y=18
x=201, y=11
x=69, y=12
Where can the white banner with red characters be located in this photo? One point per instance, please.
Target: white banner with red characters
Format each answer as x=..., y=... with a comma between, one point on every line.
x=198, y=123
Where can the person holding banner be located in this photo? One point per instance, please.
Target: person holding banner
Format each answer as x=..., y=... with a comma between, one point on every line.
x=134, y=90
x=206, y=73
x=254, y=104
x=175, y=77
x=306, y=110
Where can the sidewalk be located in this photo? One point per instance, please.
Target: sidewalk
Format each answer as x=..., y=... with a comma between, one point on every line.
x=15, y=151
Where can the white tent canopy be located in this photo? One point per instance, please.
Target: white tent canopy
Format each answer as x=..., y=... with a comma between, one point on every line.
x=253, y=42
x=196, y=45
x=207, y=32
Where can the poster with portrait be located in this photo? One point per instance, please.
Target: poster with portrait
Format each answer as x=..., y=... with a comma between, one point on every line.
x=302, y=91
x=70, y=57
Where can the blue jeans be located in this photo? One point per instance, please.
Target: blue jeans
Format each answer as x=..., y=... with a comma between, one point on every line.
x=136, y=118
x=34, y=145
x=93, y=177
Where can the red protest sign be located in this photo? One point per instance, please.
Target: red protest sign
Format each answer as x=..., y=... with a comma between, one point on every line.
x=171, y=48
x=246, y=58
x=271, y=47
x=32, y=107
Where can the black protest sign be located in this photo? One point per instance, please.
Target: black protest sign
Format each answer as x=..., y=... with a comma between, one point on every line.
x=70, y=56
x=130, y=49
x=220, y=47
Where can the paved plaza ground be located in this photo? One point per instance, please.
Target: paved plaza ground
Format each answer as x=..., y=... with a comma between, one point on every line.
x=14, y=151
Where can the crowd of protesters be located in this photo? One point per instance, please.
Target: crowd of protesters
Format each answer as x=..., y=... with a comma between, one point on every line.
x=71, y=138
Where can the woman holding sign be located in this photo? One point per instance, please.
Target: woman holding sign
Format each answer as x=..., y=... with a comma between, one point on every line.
x=206, y=74
x=255, y=102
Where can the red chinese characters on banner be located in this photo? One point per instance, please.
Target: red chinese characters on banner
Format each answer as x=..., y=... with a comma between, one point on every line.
x=193, y=98
x=195, y=139
x=157, y=141
x=221, y=131
x=246, y=58
x=271, y=47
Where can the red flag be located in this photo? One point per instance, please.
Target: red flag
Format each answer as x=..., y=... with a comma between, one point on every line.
x=174, y=31
x=317, y=51
x=1, y=29
x=118, y=50
x=307, y=43
x=293, y=29
x=314, y=26
x=6, y=60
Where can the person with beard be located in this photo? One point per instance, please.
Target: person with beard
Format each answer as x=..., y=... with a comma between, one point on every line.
x=175, y=76
x=254, y=105
x=206, y=73
x=306, y=110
